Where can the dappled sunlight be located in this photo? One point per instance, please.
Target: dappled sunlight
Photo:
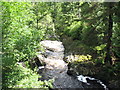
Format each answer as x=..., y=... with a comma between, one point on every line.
x=76, y=44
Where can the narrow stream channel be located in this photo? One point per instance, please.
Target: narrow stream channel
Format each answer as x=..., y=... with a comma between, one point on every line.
x=56, y=68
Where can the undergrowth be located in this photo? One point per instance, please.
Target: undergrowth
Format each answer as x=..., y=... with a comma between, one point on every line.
x=17, y=76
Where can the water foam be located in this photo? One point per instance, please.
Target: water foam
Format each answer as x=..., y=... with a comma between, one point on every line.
x=84, y=80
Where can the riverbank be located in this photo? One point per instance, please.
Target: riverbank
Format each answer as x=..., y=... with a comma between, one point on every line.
x=83, y=60
x=107, y=74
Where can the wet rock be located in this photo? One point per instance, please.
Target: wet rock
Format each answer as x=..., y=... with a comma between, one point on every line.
x=55, y=66
x=35, y=62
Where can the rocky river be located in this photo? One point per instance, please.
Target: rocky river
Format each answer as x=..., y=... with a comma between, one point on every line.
x=55, y=68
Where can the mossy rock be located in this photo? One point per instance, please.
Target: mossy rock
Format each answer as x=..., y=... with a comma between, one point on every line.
x=84, y=68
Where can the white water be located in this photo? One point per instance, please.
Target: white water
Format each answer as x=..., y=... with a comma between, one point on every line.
x=84, y=80
x=41, y=67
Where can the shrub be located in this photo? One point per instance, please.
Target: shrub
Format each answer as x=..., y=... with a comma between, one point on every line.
x=20, y=77
x=82, y=58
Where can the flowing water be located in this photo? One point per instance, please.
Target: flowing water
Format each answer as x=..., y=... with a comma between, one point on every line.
x=84, y=80
x=56, y=68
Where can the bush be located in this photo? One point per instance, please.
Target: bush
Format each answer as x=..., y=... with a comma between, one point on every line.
x=82, y=58
x=20, y=77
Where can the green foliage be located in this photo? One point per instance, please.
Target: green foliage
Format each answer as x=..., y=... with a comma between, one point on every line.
x=82, y=26
x=20, y=43
x=117, y=67
x=100, y=50
x=116, y=40
x=20, y=40
x=75, y=30
x=20, y=77
x=90, y=37
x=99, y=61
x=82, y=58
x=101, y=47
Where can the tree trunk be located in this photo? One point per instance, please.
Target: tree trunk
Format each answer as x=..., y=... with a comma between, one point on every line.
x=108, y=58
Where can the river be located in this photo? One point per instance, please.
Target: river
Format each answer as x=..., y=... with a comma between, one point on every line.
x=56, y=68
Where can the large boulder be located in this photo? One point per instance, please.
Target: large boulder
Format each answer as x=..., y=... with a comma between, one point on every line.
x=53, y=50
x=55, y=46
x=54, y=53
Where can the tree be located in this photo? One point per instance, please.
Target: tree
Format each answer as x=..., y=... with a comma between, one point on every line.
x=108, y=58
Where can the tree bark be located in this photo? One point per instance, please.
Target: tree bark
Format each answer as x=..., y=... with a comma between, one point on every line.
x=108, y=58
